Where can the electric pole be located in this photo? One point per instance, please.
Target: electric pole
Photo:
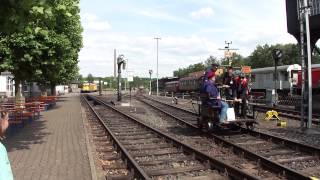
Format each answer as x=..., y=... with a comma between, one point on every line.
x=157, y=39
x=150, y=73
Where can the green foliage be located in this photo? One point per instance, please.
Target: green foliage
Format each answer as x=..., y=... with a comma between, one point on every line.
x=40, y=40
x=182, y=72
x=211, y=60
x=262, y=55
x=316, y=56
x=90, y=78
x=237, y=60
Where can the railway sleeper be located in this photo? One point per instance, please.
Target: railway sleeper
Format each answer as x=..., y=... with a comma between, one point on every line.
x=155, y=153
x=132, y=137
x=147, y=146
x=133, y=133
x=112, y=157
x=251, y=143
x=163, y=172
x=105, y=149
x=165, y=161
x=296, y=159
x=142, y=141
x=278, y=152
x=114, y=165
x=119, y=177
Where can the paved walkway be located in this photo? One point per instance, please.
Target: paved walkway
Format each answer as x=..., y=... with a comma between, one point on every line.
x=53, y=147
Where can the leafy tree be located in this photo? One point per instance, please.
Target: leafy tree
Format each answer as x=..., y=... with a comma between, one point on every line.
x=40, y=40
x=237, y=60
x=90, y=78
x=211, y=60
x=182, y=72
x=316, y=56
x=262, y=55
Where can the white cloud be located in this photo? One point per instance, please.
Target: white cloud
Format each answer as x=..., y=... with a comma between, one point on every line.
x=174, y=52
x=163, y=16
x=92, y=22
x=203, y=12
x=187, y=41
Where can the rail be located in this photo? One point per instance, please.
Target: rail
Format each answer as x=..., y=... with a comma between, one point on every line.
x=273, y=166
x=213, y=163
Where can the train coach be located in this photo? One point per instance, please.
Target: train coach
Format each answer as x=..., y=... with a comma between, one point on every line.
x=89, y=87
x=289, y=78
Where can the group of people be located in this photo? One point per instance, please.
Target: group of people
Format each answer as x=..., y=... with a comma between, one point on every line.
x=235, y=90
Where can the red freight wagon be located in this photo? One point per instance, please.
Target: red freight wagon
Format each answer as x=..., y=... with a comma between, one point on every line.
x=315, y=77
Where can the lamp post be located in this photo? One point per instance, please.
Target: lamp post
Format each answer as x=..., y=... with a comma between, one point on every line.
x=150, y=73
x=120, y=61
x=157, y=38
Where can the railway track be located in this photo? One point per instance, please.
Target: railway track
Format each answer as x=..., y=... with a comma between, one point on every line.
x=287, y=113
x=151, y=154
x=294, y=159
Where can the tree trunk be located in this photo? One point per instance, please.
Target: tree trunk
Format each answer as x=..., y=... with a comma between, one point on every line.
x=19, y=98
x=43, y=89
x=53, y=90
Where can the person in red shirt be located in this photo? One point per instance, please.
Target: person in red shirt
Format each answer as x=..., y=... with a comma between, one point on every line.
x=242, y=95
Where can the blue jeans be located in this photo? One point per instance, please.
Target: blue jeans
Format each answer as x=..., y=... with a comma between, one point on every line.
x=223, y=112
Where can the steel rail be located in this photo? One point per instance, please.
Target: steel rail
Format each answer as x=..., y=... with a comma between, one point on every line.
x=271, y=165
x=131, y=164
x=214, y=163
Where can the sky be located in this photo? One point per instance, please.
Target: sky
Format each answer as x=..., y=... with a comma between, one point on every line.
x=190, y=31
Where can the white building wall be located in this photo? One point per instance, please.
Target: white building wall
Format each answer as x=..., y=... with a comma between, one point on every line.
x=6, y=86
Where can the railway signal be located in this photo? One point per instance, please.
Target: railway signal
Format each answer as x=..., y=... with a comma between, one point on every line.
x=227, y=53
x=120, y=61
x=277, y=56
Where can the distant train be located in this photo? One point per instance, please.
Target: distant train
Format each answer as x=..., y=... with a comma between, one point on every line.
x=89, y=87
x=289, y=78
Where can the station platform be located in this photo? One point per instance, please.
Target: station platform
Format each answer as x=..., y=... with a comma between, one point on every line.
x=52, y=147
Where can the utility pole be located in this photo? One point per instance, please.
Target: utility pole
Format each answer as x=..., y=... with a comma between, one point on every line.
x=307, y=14
x=227, y=51
x=150, y=73
x=100, y=86
x=305, y=43
x=157, y=38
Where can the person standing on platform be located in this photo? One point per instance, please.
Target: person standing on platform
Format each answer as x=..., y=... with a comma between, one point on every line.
x=5, y=168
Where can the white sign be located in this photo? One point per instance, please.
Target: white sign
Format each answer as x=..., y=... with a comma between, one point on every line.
x=130, y=79
x=105, y=83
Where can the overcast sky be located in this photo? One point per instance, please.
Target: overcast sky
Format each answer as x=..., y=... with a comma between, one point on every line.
x=191, y=30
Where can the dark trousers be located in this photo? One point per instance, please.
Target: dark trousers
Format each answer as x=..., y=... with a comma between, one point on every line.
x=243, y=105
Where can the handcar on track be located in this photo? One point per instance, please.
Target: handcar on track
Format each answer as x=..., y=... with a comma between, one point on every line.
x=209, y=115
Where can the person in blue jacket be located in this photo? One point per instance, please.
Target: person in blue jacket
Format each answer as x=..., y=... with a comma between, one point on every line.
x=214, y=99
x=5, y=168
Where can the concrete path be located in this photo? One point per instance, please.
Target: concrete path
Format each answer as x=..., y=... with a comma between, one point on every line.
x=53, y=147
